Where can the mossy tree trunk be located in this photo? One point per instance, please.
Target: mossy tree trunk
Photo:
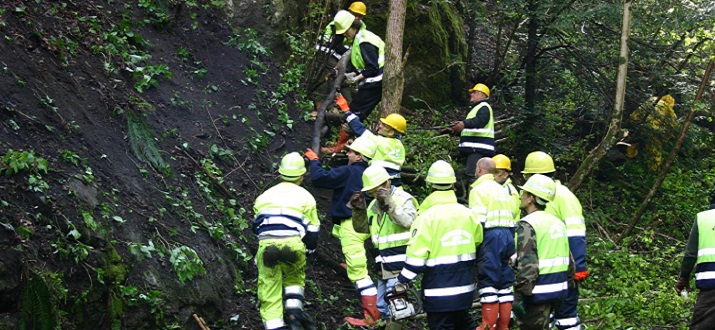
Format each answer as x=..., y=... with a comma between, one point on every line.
x=393, y=78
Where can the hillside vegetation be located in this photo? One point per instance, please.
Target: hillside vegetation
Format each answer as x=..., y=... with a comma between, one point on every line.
x=135, y=135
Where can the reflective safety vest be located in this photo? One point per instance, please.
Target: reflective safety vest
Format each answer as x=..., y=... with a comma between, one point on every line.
x=287, y=210
x=443, y=247
x=363, y=35
x=478, y=139
x=492, y=203
x=552, y=249
x=705, y=269
x=388, y=237
x=390, y=154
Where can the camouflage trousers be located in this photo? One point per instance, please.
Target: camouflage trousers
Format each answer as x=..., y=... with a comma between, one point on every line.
x=532, y=316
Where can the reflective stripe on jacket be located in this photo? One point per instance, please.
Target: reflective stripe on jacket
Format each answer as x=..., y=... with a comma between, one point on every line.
x=492, y=203
x=388, y=237
x=552, y=248
x=705, y=269
x=363, y=35
x=286, y=210
x=445, y=236
x=479, y=139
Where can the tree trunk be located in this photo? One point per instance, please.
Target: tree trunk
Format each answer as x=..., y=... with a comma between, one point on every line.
x=393, y=80
x=669, y=160
x=614, y=127
x=330, y=99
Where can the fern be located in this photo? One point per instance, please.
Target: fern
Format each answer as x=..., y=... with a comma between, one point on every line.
x=38, y=305
x=143, y=142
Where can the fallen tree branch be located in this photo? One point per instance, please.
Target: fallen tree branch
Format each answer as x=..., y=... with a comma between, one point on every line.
x=200, y=320
x=320, y=117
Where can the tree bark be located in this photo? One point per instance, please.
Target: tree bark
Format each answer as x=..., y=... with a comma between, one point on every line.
x=393, y=79
x=669, y=160
x=320, y=118
x=614, y=127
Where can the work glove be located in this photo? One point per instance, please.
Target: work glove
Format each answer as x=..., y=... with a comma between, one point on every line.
x=351, y=78
x=357, y=201
x=342, y=103
x=458, y=127
x=383, y=196
x=447, y=130
x=310, y=154
x=682, y=284
x=580, y=276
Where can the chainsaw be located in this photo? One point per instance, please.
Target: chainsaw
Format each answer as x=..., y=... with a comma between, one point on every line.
x=403, y=302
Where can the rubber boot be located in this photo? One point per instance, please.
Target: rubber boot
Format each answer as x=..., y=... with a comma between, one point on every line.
x=490, y=314
x=369, y=309
x=342, y=140
x=504, y=316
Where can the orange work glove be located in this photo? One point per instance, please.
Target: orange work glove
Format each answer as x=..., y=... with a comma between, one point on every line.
x=342, y=103
x=580, y=276
x=458, y=127
x=310, y=154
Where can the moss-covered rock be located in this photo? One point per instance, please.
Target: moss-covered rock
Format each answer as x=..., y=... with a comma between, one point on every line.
x=435, y=70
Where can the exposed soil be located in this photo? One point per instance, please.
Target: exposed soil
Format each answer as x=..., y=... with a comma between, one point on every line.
x=58, y=100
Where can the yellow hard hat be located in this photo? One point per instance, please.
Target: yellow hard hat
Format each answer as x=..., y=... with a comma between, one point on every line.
x=396, y=121
x=440, y=173
x=292, y=166
x=481, y=88
x=502, y=162
x=374, y=175
x=364, y=145
x=540, y=186
x=358, y=7
x=343, y=19
x=538, y=162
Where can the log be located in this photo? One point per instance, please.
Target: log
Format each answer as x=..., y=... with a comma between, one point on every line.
x=200, y=321
x=320, y=118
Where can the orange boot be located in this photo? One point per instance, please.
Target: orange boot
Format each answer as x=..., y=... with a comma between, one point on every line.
x=490, y=314
x=369, y=309
x=504, y=316
x=342, y=140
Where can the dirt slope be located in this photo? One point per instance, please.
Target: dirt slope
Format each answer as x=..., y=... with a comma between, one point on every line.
x=131, y=177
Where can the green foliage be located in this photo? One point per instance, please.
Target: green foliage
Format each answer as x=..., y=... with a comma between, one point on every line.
x=186, y=263
x=630, y=289
x=143, y=142
x=16, y=161
x=425, y=148
x=248, y=43
x=40, y=298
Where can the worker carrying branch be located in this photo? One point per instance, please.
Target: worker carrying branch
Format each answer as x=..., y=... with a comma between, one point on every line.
x=367, y=59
